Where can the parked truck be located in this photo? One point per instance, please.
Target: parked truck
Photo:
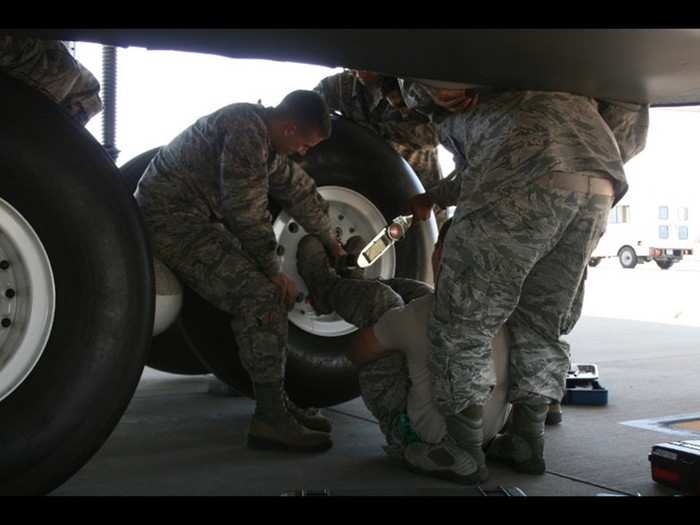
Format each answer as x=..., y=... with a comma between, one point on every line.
x=660, y=234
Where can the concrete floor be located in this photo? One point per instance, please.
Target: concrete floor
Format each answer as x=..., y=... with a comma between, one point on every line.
x=176, y=439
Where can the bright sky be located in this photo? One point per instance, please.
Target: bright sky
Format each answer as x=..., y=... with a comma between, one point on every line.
x=160, y=93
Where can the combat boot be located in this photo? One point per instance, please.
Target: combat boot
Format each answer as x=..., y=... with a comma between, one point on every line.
x=273, y=426
x=522, y=446
x=445, y=461
x=314, y=267
x=353, y=246
x=309, y=417
x=554, y=414
x=467, y=430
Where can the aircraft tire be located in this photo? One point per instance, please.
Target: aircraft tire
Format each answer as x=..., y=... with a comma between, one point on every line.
x=318, y=373
x=82, y=242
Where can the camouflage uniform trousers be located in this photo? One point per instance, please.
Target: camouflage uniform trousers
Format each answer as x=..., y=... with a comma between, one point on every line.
x=209, y=259
x=384, y=382
x=520, y=260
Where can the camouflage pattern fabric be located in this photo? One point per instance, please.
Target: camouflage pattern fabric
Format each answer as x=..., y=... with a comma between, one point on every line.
x=48, y=66
x=384, y=383
x=204, y=201
x=511, y=138
x=519, y=260
x=517, y=251
x=410, y=134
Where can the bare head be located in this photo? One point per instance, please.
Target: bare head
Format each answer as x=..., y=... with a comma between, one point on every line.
x=299, y=123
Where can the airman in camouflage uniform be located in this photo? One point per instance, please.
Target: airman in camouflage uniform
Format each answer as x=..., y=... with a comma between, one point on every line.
x=374, y=101
x=204, y=199
x=48, y=66
x=536, y=174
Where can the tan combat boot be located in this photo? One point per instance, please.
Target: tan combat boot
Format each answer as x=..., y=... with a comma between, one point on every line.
x=353, y=246
x=310, y=417
x=273, y=426
x=522, y=446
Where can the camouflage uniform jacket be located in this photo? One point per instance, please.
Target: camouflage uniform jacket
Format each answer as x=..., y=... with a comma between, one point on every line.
x=510, y=138
x=410, y=133
x=223, y=167
x=48, y=66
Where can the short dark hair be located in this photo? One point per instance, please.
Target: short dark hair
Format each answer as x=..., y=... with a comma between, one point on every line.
x=308, y=110
x=443, y=230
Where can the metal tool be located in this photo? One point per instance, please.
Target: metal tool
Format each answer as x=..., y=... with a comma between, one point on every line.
x=384, y=240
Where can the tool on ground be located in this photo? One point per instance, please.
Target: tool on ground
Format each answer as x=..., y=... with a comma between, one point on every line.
x=384, y=240
x=677, y=464
x=583, y=388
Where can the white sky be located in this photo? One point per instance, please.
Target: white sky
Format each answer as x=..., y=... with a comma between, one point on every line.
x=160, y=93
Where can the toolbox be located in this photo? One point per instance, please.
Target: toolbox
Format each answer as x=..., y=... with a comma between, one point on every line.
x=677, y=464
x=583, y=388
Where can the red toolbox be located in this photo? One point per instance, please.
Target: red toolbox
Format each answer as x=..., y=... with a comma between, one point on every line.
x=677, y=464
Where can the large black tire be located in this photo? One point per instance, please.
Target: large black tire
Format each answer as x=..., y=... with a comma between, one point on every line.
x=628, y=257
x=63, y=183
x=318, y=373
x=664, y=264
x=169, y=351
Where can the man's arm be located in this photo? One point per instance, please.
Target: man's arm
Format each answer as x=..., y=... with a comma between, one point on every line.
x=296, y=191
x=244, y=184
x=330, y=89
x=365, y=347
x=629, y=123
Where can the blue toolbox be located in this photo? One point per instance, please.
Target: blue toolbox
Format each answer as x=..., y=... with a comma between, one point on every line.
x=583, y=388
x=677, y=464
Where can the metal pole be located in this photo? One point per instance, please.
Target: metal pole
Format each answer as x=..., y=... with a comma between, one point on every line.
x=109, y=99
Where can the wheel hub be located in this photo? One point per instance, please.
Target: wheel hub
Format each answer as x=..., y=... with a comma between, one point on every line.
x=27, y=299
x=351, y=214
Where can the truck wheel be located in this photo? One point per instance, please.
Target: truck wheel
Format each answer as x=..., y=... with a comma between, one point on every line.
x=595, y=261
x=77, y=293
x=628, y=257
x=664, y=264
x=364, y=176
x=169, y=352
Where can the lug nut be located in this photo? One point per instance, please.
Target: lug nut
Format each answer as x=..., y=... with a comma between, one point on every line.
x=341, y=217
x=6, y=322
x=352, y=230
x=4, y=265
x=280, y=250
x=10, y=293
x=293, y=227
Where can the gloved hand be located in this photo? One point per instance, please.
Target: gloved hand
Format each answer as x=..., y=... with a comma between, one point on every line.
x=421, y=205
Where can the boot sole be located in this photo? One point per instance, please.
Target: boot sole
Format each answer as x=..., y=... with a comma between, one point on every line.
x=259, y=443
x=525, y=468
x=471, y=480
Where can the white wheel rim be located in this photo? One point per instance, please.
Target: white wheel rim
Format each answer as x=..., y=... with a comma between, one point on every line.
x=627, y=257
x=351, y=214
x=27, y=299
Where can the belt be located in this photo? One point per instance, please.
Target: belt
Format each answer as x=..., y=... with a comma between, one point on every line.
x=578, y=182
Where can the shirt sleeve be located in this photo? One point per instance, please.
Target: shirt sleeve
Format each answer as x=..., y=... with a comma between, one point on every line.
x=411, y=132
x=329, y=89
x=296, y=191
x=244, y=183
x=629, y=123
x=390, y=329
x=446, y=192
